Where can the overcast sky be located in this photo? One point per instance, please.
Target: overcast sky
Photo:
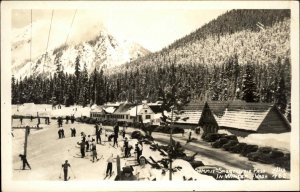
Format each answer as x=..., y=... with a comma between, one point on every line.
x=153, y=28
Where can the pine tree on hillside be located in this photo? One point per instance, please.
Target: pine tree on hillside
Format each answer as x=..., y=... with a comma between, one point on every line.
x=281, y=100
x=249, y=93
x=77, y=80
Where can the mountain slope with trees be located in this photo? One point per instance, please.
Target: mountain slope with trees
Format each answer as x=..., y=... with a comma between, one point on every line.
x=243, y=54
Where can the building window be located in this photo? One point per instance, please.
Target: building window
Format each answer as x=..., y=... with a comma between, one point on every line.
x=148, y=116
x=145, y=111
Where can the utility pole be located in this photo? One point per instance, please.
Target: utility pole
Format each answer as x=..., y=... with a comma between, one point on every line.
x=171, y=147
x=27, y=129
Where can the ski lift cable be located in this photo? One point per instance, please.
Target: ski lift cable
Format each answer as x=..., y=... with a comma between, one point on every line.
x=48, y=39
x=71, y=26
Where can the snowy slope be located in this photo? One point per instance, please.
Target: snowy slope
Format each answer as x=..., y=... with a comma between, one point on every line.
x=95, y=46
x=46, y=153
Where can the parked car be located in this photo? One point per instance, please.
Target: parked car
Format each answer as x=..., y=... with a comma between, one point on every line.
x=219, y=143
x=238, y=148
x=230, y=144
x=248, y=149
x=270, y=157
x=253, y=156
x=230, y=137
x=284, y=162
x=136, y=135
x=212, y=137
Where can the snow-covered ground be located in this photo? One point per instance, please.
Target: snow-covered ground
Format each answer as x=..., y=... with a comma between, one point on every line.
x=280, y=141
x=46, y=152
x=46, y=110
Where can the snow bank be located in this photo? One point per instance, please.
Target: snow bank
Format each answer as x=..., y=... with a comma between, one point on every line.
x=280, y=141
x=28, y=109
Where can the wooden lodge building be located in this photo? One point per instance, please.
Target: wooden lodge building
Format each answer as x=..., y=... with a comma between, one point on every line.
x=243, y=119
x=237, y=117
x=128, y=112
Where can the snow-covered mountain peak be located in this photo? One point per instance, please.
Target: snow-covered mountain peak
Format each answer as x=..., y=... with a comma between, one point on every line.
x=95, y=46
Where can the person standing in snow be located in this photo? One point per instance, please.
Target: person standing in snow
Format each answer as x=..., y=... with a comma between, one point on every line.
x=59, y=133
x=116, y=132
x=109, y=165
x=126, y=147
x=87, y=142
x=124, y=133
x=21, y=120
x=72, y=119
x=62, y=133
x=83, y=136
x=139, y=151
x=65, y=166
x=82, y=148
x=96, y=128
x=94, y=150
x=144, y=172
x=98, y=136
x=24, y=161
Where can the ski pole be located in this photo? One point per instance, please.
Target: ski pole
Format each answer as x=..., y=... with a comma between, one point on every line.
x=73, y=173
x=60, y=173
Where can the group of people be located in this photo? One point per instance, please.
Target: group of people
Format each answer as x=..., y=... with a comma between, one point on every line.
x=61, y=133
x=73, y=132
x=87, y=144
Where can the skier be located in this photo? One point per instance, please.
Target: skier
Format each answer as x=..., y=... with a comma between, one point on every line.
x=72, y=119
x=139, y=151
x=94, y=150
x=82, y=148
x=144, y=172
x=126, y=147
x=65, y=167
x=96, y=128
x=109, y=165
x=116, y=131
x=116, y=128
x=98, y=136
x=87, y=142
x=67, y=119
x=124, y=133
x=83, y=136
x=31, y=118
x=115, y=140
x=24, y=160
x=62, y=133
x=73, y=132
x=59, y=133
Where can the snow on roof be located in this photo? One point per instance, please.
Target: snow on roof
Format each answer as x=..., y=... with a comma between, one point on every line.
x=135, y=109
x=123, y=108
x=109, y=109
x=96, y=108
x=189, y=117
x=243, y=119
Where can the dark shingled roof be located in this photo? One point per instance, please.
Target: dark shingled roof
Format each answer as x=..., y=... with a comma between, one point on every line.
x=156, y=108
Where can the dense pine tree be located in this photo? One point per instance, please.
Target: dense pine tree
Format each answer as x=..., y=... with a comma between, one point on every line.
x=249, y=86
